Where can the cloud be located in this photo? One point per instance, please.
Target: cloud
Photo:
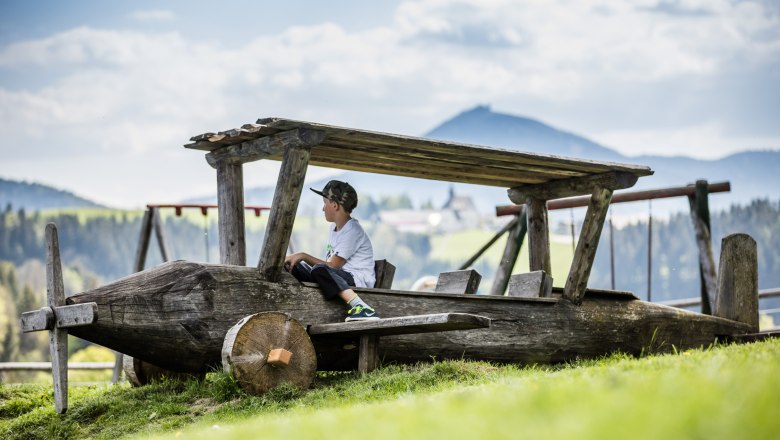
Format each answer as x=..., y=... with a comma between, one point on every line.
x=135, y=96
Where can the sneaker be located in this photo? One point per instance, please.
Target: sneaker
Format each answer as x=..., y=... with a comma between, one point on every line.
x=361, y=313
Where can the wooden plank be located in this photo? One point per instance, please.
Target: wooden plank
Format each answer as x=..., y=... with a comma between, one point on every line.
x=573, y=186
x=76, y=315
x=700, y=215
x=230, y=198
x=368, y=354
x=514, y=242
x=437, y=322
x=577, y=281
x=459, y=281
x=537, y=284
x=265, y=147
x=385, y=272
x=160, y=233
x=143, y=241
x=38, y=320
x=737, y=297
x=538, y=235
x=280, y=221
x=58, y=338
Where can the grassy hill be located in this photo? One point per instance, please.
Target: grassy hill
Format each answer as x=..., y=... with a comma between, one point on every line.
x=721, y=392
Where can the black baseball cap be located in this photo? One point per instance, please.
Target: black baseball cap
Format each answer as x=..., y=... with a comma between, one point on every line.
x=341, y=193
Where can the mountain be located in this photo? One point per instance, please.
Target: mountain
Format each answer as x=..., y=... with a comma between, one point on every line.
x=35, y=197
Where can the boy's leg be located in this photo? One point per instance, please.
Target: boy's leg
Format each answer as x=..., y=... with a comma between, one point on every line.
x=302, y=272
x=335, y=282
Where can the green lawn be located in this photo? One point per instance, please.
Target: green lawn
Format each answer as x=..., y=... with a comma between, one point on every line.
x=724, y=392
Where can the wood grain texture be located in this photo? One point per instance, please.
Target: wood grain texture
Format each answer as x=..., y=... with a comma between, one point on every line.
x=737, y=297
x=58, y=337
x=402, y=325
x=280, y=221
x=266, y=147
x=176, y=316
x=157, y=224
x=458, y=281
x=538, y=235
x=537, y=284
x=701, y=226
x=384, y=272
x=230, y=199
x=574, y=186
x=588, y=243
x=143, y=241
x=385, y=153
x=245, y=352
x=140, y=373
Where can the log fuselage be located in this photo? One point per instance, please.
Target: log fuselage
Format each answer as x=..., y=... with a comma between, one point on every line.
x=176, y=316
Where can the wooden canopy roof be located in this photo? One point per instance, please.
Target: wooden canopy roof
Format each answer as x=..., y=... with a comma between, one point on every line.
x=383, y=153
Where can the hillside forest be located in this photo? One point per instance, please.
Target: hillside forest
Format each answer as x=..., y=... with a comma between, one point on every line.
x=99, y=246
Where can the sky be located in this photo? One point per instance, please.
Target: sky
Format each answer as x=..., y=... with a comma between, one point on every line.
x=98, y=97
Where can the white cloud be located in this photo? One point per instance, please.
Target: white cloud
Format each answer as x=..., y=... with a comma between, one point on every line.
x=133, y=96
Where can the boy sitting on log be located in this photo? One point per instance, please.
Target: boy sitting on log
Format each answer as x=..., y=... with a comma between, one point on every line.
x=349, y=258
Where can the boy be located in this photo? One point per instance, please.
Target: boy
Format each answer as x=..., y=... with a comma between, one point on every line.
x=349, y=259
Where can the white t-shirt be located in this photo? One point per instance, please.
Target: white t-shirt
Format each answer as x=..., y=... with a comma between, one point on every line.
x=352, y=244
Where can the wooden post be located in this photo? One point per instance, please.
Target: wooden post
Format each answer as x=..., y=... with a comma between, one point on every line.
x=577, y=281
x=230, y=199
x=143, y=241
x=538, y=235
x=368, y=356
x=737, y=297
x=700, y=215
x=58, y=337
x=514, y=241
x=158, y=230
x=282, y=216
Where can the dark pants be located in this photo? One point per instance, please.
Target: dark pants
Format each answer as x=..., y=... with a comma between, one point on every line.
x=331, y=281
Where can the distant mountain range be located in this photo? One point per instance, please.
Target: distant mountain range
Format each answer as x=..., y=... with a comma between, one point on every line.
x=752, y=174
x=35, y=197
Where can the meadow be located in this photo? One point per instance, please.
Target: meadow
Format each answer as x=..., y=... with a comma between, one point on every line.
x=723, y=391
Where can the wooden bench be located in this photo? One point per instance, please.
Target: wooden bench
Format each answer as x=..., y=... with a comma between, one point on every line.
x=370, y=331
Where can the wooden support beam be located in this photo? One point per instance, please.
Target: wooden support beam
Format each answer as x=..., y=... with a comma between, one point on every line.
x=514, y=241
x=282, y=216
x=538, y=235
x=230, y=198
x=536, y=284
x=143, y=241
x=264, y=147
x=459, y=281
x=58, y=338
x=368, y=353
x=62, y=317
x=574, y=186
x=577, y=281
x=700, y=215
x=384, y=271
x=737, y=297
x=160, y=233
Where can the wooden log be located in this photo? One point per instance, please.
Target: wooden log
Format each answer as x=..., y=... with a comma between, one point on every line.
x=230, y=198
x=282, y=217
x=538, y=235
x=575, y=186
x=160, y=233
x=402, y=325
x=245, y=352
x=459, y=281
x=577, y=281
x=385, y=272
x=264, y=147
x=537, y=284
x=177, y=314
x=700, y=215
x=737, y=297
x=58, y=337
x=514, y=242
x=143, y=241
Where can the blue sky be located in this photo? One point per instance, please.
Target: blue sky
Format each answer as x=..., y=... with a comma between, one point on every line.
x=97, y=97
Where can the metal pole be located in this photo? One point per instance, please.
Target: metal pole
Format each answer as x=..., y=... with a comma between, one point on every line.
x=611, y=251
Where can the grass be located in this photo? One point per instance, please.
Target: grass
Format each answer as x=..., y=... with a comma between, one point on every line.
x=724, y=392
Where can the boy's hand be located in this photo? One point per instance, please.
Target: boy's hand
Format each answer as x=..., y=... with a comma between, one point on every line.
x=292, y=260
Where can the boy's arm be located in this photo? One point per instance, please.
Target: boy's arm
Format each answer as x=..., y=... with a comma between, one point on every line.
x=335, y=261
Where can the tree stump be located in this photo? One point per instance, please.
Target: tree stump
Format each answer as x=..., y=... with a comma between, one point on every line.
x=248, y=344
x=140, y=373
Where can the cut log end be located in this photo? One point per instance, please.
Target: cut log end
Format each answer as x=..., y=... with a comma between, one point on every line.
x=253, y=353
